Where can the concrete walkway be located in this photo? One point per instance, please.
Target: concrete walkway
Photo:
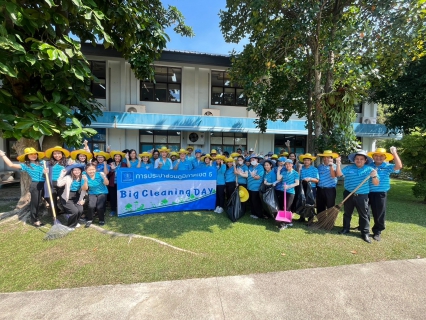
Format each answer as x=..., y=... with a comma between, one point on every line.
x=382, y=290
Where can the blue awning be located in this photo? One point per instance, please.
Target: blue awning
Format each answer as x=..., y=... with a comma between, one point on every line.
x=156, y=121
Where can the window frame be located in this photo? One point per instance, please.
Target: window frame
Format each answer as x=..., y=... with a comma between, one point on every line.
x=168, y=83
x=146, y=146
x=225, y=90
x=226, y=147
x=93, y=83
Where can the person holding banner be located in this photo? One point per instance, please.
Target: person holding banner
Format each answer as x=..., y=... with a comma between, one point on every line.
x=116, y=166
x=230, y=178
x=146, y=163
x=163, y=163
x=220, y=184
x=254, y=180
x=182, y=163
x=97, y=183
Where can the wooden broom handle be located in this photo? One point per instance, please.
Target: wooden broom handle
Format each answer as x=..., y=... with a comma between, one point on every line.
x=356, y=189
x=52, y=204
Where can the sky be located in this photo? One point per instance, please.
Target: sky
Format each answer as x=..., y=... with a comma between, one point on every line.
x=203, y=17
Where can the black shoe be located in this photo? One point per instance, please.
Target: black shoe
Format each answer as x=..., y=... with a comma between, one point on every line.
x=88, y=224
x=366, y=238
x=376, y=237
x=344, y=231
x=302, y=219
x=101, y=223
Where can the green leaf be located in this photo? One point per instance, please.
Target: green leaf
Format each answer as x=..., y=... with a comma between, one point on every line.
x=6, y=93
x=56, y=97
x=8, y=70
x=76, y=122
x=50, y=3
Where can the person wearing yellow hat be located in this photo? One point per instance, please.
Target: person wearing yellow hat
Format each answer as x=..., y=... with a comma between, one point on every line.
x=308, y=174
x=163, y=163
x=173, y=156
x=378, y=193
x=213, y=153
x=146, y=162
x=182, y=163
x=207, y=161
x=115, y=166
x=189, y=156
x=326, y=188
x=31, y=163
x=254, y=181
x=81, y=156
x=132, y=160
x=101, y=164
x=57, y=162
x=230, y=178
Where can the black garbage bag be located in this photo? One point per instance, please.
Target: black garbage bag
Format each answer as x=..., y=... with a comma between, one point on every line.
x=269, y=201
x=233, y=207
x=308, y=209
x=300, y=200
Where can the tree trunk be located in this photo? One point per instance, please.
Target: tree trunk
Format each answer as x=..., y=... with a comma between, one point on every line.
x=51, y=141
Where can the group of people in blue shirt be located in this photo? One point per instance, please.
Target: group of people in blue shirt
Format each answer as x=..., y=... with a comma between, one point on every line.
x=73, y=175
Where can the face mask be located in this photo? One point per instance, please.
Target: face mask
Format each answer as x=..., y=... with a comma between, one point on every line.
x=240, y=162
x=253, y=163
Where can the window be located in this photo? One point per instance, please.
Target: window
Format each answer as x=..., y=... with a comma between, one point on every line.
x=358, y=108
x=167, y=86
x=228, y=141
x=98, y=87
x=155, y=139
x=297, y=143
x=98, y=141
x=10, y=151
x=226, y=93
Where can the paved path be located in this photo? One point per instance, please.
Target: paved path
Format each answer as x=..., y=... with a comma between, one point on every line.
x=382, y=290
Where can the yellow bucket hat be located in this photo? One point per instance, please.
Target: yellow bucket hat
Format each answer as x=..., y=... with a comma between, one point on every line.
x=284, y=154
x=28, y=151
x=220, y=157
x=75, y=153
x=163, y=149
x=234, y=154
x=190, y=148
x=274, y=156
x=102, y=154
x=328, y=153
x=57, y=148
x=213, y=151
x=114, y=152
x=307, y=156
x=381, y=151
x=229, y=160
x=206, y=156
x=145, y=154
x=244, y=195
x=182, y=151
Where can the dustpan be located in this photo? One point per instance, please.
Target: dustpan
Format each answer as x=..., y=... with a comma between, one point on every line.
x=284, y=216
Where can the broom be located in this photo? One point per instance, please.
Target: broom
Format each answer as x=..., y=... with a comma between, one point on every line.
x=58, y=230
x=327, y=218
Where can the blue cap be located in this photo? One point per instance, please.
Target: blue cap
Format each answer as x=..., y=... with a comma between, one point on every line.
x=282, y=159
x=247, y=159
x=270, y=153
x=198, y=151
x=289, y=161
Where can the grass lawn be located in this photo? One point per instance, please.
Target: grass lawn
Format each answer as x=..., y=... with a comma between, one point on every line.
x=87, y=258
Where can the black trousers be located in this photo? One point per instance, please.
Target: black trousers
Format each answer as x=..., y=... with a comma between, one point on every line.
x=220, y=196
x=72, y=209
x=280, y=199
x=96, y=203
x=326, y=198
x=360, y=202
x=112, y=192
x=244, y=204
x=36, y=191
x=230, y=188
x=56, y=192
x=256, y=203
x=377, y=202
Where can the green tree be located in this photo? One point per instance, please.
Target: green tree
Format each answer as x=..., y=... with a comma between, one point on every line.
x=405, y=99
x=317, y=58
x=45, y=77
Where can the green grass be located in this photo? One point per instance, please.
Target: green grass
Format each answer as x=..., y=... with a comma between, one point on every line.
x=87, y=258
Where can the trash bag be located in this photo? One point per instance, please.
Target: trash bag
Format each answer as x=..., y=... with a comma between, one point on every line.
x=308, y=209
x=269, y=200
x=300, y=200
x=233, y=207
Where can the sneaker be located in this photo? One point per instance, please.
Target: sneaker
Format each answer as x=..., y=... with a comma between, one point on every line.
x=77, y=225
x=88, y=224
x=283, y=226
x=112, y=214
x=289, y=224
x=82, y=221
x=376, y=237
x=254, y=217
x=215, y=210
x=220, y=210
x=101, y=223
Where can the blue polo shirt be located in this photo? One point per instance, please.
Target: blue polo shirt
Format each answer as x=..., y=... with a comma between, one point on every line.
x=166, y=164
x=197, y=163
x=133, y=163
x=354, y=176
x=96, y=185
x=270, y=176
x=100, y=167
x=280, y=185
x=252, y=183
x=35, y=171
x=230, y=175
x=76, y=185
x=220, y=180
x=289, y=177
x=383, y=171
x=242, y=180
x=310, y=172
x=182, y=165
x=325, y=179
x=147, y=166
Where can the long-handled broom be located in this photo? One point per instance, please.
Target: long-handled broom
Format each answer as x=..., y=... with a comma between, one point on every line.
x=327, y=218
x=58, y=230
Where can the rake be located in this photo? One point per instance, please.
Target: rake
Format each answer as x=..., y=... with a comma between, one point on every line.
x=327, y=218
x=58, y=230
